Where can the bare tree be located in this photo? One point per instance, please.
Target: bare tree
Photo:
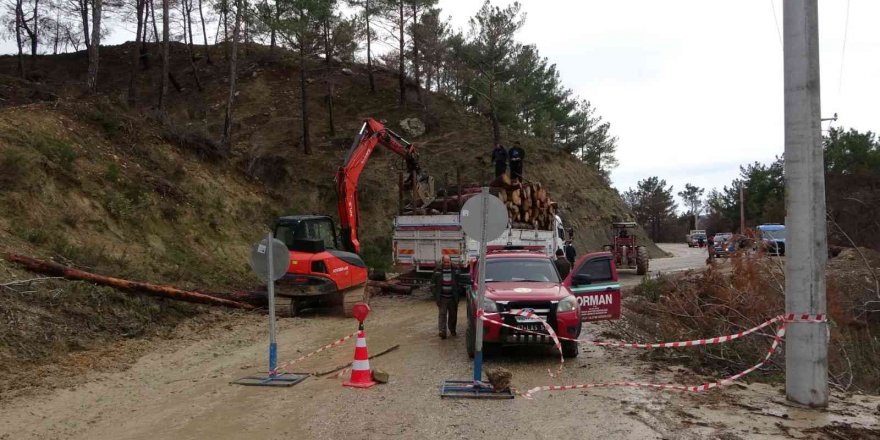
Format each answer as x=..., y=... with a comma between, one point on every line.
x=19, y=18
x=92, y=80
x=137, y=53
x=166, y=56
x=204, y=34
x=233, y=58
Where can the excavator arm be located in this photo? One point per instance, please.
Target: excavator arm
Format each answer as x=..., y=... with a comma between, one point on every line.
x=371, y=134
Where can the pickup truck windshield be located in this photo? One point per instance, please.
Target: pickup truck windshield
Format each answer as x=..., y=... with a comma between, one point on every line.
x=521, y=269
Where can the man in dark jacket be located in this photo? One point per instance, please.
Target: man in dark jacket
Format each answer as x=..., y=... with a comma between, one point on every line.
x=499, y=158
x=446, y=292
x=517, y=156
x=562, y=264
x=570, y=253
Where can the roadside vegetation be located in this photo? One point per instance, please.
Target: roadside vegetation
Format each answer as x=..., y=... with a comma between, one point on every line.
x=726, y=299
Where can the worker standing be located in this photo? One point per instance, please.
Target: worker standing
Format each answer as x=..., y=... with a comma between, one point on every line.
x=517, y=156
x=562, y=264
x=569, y=251
x=499, y=158
x=446, y=292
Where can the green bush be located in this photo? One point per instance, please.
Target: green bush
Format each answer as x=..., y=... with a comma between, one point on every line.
x=107, y=120
x=112, y=173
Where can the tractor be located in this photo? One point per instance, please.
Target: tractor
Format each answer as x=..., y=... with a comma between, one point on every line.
x=627, y=254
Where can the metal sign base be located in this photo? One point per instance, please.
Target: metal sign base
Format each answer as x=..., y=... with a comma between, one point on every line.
x=468, y=389
x=278, y=380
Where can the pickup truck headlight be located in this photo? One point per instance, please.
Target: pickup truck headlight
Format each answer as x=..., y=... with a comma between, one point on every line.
x=489, y=306
x=567, y=304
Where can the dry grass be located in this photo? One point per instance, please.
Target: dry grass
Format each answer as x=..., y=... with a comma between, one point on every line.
x=724, y=301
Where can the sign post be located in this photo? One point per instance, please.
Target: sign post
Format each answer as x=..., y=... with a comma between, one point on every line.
x=269, y=261
x=485, y=217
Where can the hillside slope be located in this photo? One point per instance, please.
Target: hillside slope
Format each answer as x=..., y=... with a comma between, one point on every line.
x=266, y=142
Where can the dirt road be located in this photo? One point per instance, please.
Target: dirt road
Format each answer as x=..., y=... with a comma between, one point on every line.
x=181, y=391
x=682, y=258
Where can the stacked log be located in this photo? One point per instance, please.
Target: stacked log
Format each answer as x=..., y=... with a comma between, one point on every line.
x=528, y=203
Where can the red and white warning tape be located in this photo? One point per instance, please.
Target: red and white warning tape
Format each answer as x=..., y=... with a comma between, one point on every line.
x=783, y=320
x=675, y=387
x=280, y=368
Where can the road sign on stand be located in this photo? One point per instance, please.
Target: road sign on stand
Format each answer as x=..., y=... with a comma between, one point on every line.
x=484, y=218
x=269, y=261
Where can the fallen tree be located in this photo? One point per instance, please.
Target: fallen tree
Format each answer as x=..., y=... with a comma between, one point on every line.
x=163, y=291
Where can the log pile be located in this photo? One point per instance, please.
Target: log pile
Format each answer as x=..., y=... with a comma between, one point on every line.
x=528, y=203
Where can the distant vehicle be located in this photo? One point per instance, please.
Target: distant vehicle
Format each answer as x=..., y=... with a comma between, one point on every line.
x=723, y=244
x=627, y=253
x=518, y=279
x=694, y=236
x=771, y=238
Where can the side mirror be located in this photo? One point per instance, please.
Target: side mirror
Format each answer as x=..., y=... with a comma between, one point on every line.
x=581, y=280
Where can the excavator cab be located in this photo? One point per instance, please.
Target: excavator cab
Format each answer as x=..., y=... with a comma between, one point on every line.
x=307, y=233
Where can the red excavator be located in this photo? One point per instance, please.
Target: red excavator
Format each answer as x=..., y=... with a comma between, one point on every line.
x=325, y=271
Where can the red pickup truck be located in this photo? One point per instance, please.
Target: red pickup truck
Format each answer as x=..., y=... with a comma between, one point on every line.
x=522, y=280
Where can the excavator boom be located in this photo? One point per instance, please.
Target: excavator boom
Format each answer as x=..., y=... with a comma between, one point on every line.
x=371, y=134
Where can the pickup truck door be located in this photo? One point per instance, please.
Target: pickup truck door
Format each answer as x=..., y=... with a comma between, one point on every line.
x=599, y=300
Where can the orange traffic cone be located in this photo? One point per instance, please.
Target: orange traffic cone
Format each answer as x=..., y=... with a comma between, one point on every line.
x=361, y=377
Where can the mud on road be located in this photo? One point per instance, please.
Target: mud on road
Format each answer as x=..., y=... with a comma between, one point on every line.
x=181, y=390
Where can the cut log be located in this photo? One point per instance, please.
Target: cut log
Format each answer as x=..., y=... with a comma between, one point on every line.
x=163, y=291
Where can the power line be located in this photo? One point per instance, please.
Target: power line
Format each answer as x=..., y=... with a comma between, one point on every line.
x=843, y=50
x=776, y=20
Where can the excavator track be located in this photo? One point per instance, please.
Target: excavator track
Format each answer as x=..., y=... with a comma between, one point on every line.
x=353, y=296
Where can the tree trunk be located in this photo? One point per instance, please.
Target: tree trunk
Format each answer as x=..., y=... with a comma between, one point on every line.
x=369, y=50
x=92, y=80
x=493, y=116
x=233, y=73
x=164, y=291
x=328, y=67
x=19, y=18
x=136, y=53
x=57, y=32
x=307, y=147
x=35, y=38
x=187, y=19
x=415, y=39
x=205, y=34
x=155, y=26
x=401, y=72
x=84, y=14
x=166, y=57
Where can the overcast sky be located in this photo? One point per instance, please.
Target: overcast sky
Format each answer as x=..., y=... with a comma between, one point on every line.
x=693, y=88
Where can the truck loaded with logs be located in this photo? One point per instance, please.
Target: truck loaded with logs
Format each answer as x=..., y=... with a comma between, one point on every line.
x=424, y=234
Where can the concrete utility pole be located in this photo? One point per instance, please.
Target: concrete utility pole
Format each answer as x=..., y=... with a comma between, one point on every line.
x=806, y=348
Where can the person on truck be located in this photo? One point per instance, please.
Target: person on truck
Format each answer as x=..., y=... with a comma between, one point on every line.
x=446, y=293
x=562, y=264
x=499, y=158
x=517, y=156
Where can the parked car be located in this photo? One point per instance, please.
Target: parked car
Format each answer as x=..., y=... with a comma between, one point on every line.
x=694, y=238
x=771, y=239
x=723, y=244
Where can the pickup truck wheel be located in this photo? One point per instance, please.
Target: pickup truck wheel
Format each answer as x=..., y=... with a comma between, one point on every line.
x=641, y=260
x=294, y=308
x=570, y=349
